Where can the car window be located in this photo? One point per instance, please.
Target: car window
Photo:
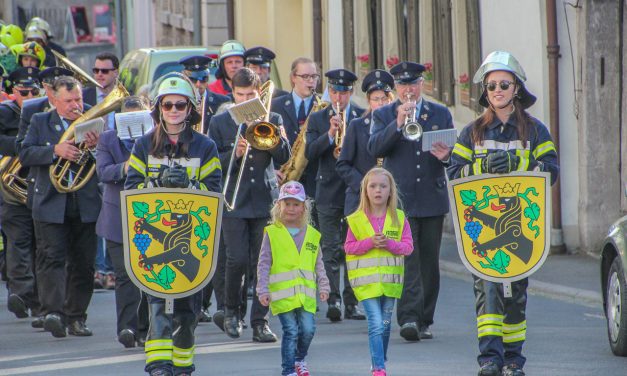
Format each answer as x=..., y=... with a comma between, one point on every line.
x=164, y=68
x=130, y=69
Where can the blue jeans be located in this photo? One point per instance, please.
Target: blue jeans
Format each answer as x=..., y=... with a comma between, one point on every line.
x=299, y=327
x=103, y=261
x=379, y=315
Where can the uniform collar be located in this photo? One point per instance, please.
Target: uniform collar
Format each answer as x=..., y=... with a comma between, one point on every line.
x=497, y=122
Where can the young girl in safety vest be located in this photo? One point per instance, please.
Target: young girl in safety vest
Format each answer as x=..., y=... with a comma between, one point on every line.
x=289, y=271
x=378, y=239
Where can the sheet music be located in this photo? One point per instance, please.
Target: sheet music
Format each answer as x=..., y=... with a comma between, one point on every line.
x=96, y=125
x=447, y=136
x=132, y=125
x=247, y=111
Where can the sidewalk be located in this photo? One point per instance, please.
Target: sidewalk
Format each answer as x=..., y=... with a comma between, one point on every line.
x=573, y=278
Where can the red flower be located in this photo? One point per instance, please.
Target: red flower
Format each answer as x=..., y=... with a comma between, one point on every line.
x=428, y=65
x=392, y=61
x=363, y=58
x=463, y=78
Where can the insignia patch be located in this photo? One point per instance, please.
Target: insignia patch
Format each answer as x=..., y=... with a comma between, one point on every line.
x=424, y=117
x=287, y=102
x=311, y=247
x=435, y=127
x=367, y=121
x=57, y=127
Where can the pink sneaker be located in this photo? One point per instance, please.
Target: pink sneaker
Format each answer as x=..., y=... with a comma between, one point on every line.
x=379, y=372
x=301, y=368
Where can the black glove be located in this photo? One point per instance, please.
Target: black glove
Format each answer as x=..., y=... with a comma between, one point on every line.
x=175, y=177
x=500, y=162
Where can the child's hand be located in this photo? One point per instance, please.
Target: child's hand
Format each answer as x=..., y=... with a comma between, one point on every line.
x=264, y=300
x=379, y=240
x=324, y=296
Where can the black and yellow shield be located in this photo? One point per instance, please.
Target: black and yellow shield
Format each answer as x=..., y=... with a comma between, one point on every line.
x=502, y=223
x=171, y=239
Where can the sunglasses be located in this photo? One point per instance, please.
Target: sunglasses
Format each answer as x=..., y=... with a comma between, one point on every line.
x=103, y=70
x=201, y=79
x=180, y=106
x=504, y=85
x=25, y=93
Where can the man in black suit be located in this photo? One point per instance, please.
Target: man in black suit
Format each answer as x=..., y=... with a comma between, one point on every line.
x=65, y=221
x=106, y=73
x=324, y=133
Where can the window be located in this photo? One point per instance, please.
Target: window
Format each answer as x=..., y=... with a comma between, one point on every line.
x=443, y=76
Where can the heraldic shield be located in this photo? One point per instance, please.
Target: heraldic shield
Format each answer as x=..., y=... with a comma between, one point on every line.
x=502, y=223
x=171, y=239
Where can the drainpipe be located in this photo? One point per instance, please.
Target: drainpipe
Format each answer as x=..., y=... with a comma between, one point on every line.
x=197, y=35
x=553, y=53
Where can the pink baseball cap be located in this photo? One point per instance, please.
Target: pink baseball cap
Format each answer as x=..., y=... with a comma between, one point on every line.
x=292, y=189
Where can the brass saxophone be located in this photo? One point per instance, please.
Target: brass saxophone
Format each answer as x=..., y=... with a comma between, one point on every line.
x=294, y=167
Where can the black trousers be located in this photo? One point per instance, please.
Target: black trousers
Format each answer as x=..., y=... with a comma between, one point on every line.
x=422, y=272
x=127, y=296
x=17, y=223
x=333, y=229
x=65, y=265
x=242, y=237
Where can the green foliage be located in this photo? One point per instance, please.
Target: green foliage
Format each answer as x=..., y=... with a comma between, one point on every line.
x=140, y=209
x=501, y=259
x=533, y=212
x=468, y=197
x=166, y=276
x=202, y=230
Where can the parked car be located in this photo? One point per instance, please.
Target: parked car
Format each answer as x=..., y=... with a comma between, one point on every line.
x=613, y=282
x=146, y=65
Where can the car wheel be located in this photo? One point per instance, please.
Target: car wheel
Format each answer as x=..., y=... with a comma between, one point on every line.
x=616, y=309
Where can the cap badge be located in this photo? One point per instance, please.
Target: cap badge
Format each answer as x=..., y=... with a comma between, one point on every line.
x=404, y=65
x=30, y=71
x=173, y=82
x=378, y=81
x=377, y=74
x=424, y=117
x=341, y=73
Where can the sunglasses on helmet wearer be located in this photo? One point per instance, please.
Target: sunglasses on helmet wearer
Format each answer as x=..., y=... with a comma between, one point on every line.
x=504, y=85
x=180, y=106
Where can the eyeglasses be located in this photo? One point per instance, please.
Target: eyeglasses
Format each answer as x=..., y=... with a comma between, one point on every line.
x=25, y=92
x=180, y=106
x=201, y=79
x=381, y=99
x=491, y=86
x=103, y=70
x=308, y=77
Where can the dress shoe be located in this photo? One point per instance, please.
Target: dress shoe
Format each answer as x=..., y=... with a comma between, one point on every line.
x=353, y=312
x=16, y=305
x=127, y=338
x=109, y=281
x=513, y=370
x=262, y=333
x=334, y=313
x=54, y=325
x=489, y=369
x=243, y=324
x=38, y=322
x=204, y=316
x=409, y=331
x=425, y=332
x=99, y=281
x=218, y=319
x=79, y=329
x=232, y=326
x=160, y=372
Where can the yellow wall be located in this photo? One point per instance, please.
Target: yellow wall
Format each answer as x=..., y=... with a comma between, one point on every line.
x=284, y=26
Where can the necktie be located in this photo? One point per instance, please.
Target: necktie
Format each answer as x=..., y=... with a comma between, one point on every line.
x=302, y=116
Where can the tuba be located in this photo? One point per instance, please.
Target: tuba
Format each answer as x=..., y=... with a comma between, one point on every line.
x=339, y=136
x=68, y=176
x=13, y=184
x=293, y=169
x=79, y=74
x=262, y=135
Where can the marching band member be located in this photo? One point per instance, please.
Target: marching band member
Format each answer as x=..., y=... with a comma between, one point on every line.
x=503, y=139
x=29, y=54
x=47, y=42
x=170, y=343
x=197, y=70
x=16, y=218
x=324, y=132
x=65, y=222
x=355, y=160
x=242, y=227
x=230, y=61
x=259, y=60
x=422, y=188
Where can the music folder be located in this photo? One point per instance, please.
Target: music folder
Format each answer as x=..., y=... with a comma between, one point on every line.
x=132, y=125
x=247, y=111
x=94, y=125
x=447, y=136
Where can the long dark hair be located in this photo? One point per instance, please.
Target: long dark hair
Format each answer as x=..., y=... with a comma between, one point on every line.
x=160, y=145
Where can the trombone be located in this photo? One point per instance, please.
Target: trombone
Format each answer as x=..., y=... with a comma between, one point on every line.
x=412, y=130
x=339, y=136
x=263, y=135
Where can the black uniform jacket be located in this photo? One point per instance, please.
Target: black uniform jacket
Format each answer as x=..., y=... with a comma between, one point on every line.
x=90, y=95
x=212, y=102
x=330, y=187
x=254, y=197
x=355, y=160
x=38, y=153
x=419, y=175
x=9, y=125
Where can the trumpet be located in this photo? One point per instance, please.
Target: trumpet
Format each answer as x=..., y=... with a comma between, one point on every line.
x=339, y=136
x=412, y=130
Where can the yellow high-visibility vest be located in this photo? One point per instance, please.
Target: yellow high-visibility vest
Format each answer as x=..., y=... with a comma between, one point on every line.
x=293, y=273
x=377, y=272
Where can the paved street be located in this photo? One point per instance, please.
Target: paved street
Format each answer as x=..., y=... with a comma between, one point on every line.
x=563, y=339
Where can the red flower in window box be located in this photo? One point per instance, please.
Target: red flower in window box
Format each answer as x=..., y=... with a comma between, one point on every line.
x=392, y=61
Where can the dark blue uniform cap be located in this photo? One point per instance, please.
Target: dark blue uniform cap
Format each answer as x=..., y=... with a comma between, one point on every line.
x=378, y=79
x=52, y=73
x=259, y=56
x=341, y=79
x=195, y=63
x=26, y=77
x=407, y=72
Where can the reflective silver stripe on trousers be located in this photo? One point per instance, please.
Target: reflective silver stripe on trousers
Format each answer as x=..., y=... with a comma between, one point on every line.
x=375, y=278
x=375, y=261
x=292, y=291
x=292, y=274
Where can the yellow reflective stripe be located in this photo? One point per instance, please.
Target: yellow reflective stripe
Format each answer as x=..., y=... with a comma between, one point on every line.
x=209, y=167
x=183, y=357
x=160, y=349
x=137, y=164
x=292, y=291
x=374, y=261
x=158, y=344
x=490, y=330
x=292, y=274
x=462, y=151
x=203, y=187
x=514, y=337
x=476, y=166
x=543, y=148
x=490, y=318
x=510, y=328
x=523, y=164
x=465, y=171
x=375, y=278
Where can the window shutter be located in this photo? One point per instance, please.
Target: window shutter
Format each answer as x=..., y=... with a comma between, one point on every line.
x=474, y=50
x=443, y=53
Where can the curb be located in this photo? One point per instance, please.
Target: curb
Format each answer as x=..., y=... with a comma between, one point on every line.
x=550, y=290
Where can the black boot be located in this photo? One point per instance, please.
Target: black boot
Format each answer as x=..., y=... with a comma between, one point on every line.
x=218, y=319
x=513, y=370
x=262, y=333
x=232, y=326
x=489, y=369
x=352, y=312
